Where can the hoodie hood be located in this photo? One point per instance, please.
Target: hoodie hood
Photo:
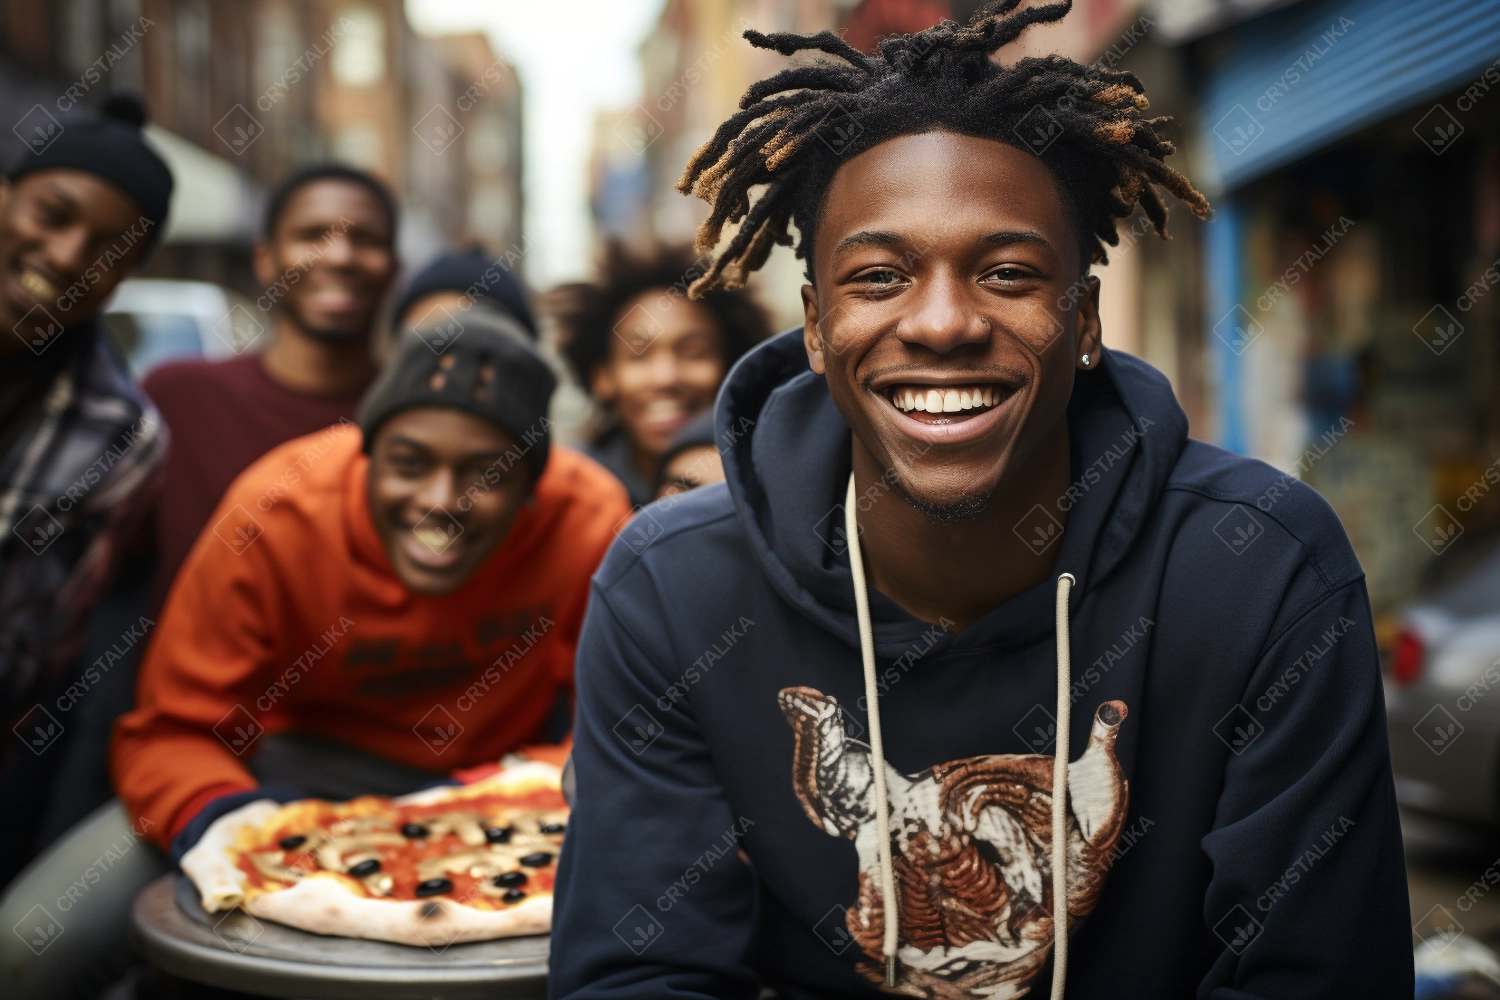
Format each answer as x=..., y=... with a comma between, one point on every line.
x=788, y=461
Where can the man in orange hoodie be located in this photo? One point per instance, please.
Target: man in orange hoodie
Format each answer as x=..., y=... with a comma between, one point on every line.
x=373, y=607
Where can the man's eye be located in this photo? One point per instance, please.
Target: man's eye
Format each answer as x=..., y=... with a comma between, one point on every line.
x=881, y=276
x=1007, y=272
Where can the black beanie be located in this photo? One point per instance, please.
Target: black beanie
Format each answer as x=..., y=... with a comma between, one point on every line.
x=109, y=146
x=476, y=275
x=438, y=366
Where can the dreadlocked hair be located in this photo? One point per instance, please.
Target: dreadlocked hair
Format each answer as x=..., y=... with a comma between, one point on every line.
x=795, y=128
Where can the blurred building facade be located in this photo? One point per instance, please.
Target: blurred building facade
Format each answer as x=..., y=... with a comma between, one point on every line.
x=241, y=92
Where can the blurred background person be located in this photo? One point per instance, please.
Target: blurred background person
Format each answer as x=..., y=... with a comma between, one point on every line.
x=454, y=283
x=326, y=259
x=650, y=357
x=692, y=459
x=80, y=444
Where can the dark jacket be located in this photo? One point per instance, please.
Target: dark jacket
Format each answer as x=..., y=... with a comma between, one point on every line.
x=1254, y=851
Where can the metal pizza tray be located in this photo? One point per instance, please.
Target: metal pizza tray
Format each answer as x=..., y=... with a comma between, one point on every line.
x=236, y=951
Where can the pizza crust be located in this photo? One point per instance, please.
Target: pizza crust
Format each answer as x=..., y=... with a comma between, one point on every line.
x=324, y=905
x=221, y=884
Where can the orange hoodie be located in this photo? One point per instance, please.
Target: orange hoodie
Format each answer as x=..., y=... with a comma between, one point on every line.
x=288, y=615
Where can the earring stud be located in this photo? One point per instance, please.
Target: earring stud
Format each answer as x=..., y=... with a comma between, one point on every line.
x=1085, y=361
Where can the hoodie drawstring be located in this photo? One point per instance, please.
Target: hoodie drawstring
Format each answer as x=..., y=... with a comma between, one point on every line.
x=877, y=762
x=877, y=748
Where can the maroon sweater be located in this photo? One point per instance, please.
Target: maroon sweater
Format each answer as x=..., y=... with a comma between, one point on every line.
x=223, y=415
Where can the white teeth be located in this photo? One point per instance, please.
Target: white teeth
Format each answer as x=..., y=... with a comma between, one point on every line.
x=943, y=400
x=36, y=286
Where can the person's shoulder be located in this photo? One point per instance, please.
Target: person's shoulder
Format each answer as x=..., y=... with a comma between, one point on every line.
x=298, y=474
x=1240, y=499
x=674, y=538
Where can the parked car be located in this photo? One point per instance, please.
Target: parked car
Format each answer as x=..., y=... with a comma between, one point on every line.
x=1442, y=697
x=154, y=320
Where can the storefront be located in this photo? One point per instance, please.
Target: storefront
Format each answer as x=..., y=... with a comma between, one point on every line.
x=1351, y=287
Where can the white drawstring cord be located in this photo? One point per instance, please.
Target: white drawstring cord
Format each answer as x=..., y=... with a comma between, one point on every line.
x=877, y=762
x=1060, y=792
x=877, y=748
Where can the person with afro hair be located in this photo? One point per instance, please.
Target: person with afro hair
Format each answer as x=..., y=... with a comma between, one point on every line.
x=978, y=674
x=649, y=355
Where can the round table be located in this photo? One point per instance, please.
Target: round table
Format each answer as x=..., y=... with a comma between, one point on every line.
x=236, y=951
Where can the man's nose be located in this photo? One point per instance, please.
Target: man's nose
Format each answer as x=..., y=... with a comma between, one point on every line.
x=945, y=317
x=440, y=489
x=67, y=251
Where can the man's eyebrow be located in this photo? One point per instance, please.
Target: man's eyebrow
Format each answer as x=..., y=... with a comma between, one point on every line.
x=62, y=194
x=1006, y=237
x=866, y=237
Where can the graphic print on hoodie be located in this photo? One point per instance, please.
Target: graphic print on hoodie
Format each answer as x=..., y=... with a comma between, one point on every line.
x=972, y=849
x=1208, y=586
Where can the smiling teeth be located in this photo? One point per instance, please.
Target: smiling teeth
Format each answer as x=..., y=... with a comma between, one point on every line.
x=36, y=286
x=945, y=400
x=434, y=538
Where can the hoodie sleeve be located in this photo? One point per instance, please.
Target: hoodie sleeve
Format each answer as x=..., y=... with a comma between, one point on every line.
x=1308, y=893
x=639, y=914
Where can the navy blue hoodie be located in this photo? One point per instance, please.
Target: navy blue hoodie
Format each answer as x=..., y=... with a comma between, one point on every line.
x=1239, y=836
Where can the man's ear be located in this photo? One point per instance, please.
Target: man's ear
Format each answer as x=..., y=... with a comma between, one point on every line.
x=812, y=336
x=602, y=384
x=262, y=259
x=1090, y=331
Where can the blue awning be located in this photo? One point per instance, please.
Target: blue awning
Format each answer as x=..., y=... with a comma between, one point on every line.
x=1299, y=79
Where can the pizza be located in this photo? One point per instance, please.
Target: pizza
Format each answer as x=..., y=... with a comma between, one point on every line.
x=442, y=866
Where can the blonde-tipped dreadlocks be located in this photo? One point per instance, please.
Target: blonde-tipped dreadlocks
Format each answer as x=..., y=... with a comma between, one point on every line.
x=795, y=128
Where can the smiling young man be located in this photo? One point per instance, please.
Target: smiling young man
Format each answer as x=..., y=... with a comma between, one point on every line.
x=409, y=607
x=957, y=528
x=80, y=445
x=325, y=262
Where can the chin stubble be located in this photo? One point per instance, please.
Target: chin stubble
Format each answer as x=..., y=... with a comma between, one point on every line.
x=965, y=509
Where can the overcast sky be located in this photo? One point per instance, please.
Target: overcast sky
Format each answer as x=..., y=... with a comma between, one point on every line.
x=574, y=58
